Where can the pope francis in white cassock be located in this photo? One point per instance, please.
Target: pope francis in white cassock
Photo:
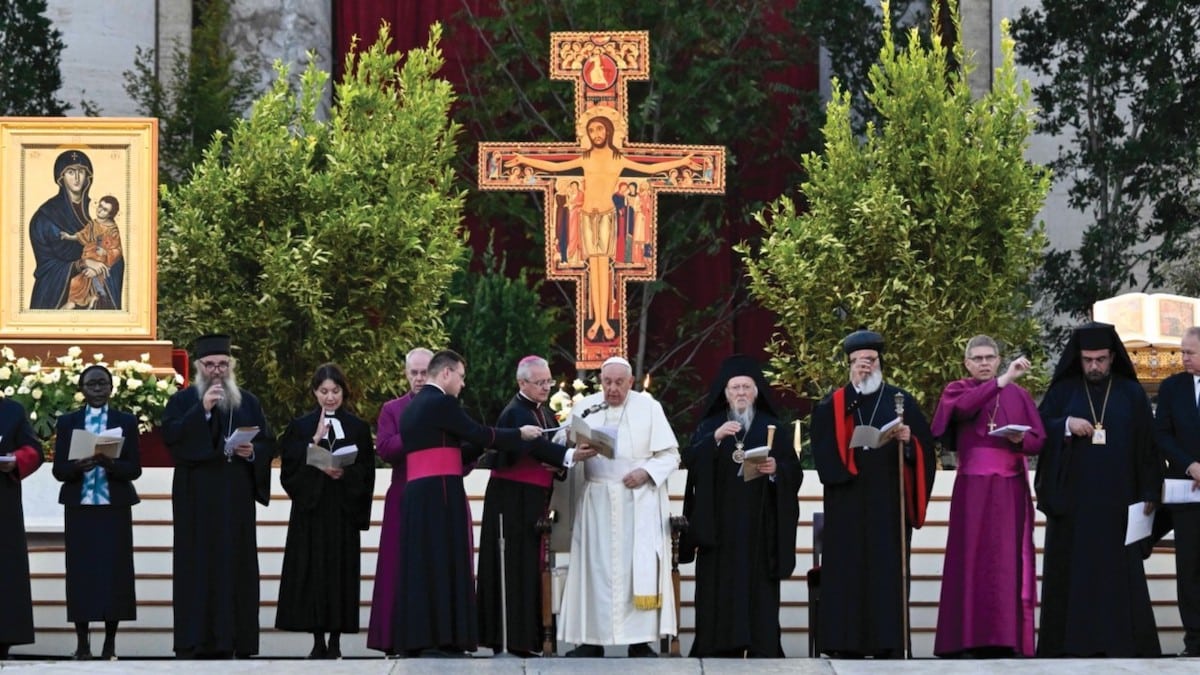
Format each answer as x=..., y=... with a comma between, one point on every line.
x=618, y=588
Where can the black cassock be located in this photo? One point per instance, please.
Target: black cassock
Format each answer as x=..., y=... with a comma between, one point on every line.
x=215, y=568
x=744, y=534
x=435, y=595
x=522, y=504
x=319, y=582
x=16, y=601
x=1095, y=601
x=861, y=609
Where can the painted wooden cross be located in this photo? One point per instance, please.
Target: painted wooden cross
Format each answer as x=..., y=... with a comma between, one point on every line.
x=601, y=192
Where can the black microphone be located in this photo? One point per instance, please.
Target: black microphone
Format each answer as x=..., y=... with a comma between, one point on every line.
x=596, y=408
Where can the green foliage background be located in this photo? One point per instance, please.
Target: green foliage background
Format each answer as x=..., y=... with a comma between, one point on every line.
x=494, y=321
x=313, y=241
x=29, y=54
x=206, y=93
x=923, y=230
x=1120, y=93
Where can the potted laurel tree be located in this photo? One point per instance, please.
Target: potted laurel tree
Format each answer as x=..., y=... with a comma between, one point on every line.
x=47, y=391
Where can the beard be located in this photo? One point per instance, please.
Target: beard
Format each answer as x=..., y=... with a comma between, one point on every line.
x=232, y=400
x=743, y=417
x=872, y=383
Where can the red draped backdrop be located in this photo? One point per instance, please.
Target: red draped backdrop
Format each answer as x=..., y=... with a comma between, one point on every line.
x=707, y=278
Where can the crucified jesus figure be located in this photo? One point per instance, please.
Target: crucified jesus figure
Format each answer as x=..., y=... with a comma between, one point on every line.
x=602, y=164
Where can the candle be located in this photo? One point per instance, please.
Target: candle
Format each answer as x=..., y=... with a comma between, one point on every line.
x=796, y=439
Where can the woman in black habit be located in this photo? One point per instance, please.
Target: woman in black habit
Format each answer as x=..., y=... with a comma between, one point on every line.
x=319, y=583
x=97, y=495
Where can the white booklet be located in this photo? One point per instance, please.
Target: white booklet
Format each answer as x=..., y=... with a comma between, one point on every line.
x=338, y=459
x=1000, y=431
x=753, y=458
x=85, y=444
x=866, y=436
x=1139, y=523
x=1179, y=491
x=239, y=436
x=603, y=439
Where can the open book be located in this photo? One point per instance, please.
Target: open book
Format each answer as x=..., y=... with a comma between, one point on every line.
x=338, y=459
x=603, y=439
x=85, y=444
x=753, y=458
x=866, y=436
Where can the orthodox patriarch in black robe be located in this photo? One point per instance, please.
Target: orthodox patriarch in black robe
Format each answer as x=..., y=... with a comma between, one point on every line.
x=319, y=582
x=1095, y=601
x=519, y=490
x=215, y=575
x=18, y=443
x=741, y=533
x=862, y=608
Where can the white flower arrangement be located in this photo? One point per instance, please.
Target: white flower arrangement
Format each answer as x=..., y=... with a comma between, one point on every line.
x=562, y=402
x=47, y=391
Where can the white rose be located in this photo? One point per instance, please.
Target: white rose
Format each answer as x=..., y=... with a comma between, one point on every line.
x=116, y=383
x=133, y=383
x=5, y=372
x=22, y=389
x=33, y=415
x=22, y=363
x=97, y=357
x=162, y=385
x=146, y=356
x=74, y=352
x=79, y=397
x=7, y=353
x=36, y=394
x=9, y=391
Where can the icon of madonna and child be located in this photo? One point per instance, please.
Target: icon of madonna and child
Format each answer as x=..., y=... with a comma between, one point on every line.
x=80, y=263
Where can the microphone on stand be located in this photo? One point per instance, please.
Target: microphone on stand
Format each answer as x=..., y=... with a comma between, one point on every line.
x=596, y=408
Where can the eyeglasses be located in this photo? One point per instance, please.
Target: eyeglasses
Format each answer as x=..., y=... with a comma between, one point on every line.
x=214, y=365
x=988, y=358
x=542, y=383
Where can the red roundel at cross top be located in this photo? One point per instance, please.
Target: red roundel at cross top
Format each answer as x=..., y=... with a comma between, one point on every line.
x=599, y=72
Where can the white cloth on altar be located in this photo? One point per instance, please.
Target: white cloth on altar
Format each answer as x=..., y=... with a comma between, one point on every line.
x=598, y=605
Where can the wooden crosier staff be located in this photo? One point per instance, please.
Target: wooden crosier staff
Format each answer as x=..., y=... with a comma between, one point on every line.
x=907, y=647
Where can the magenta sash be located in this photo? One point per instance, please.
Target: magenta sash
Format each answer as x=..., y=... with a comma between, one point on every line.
x=528, y=471
x=433, y=462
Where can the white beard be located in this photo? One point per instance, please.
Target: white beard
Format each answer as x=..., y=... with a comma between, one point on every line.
x=232, y=400
x=744, y=418
x=872, y=384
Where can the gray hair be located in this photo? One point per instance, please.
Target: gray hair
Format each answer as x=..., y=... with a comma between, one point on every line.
x=981, y=341
x=409, y=356
x=529, y=363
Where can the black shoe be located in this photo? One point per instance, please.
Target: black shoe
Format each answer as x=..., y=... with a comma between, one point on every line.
x=318, y=652
x=641, y=651
x=334, y=652
x=84, y=654
x=108, y=654
x=586, y=652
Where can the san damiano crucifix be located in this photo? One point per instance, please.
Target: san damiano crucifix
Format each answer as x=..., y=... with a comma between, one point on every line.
x=601, y=192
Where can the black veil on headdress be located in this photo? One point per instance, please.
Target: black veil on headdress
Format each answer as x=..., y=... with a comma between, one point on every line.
x=735, y=365
x=1090, y=336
